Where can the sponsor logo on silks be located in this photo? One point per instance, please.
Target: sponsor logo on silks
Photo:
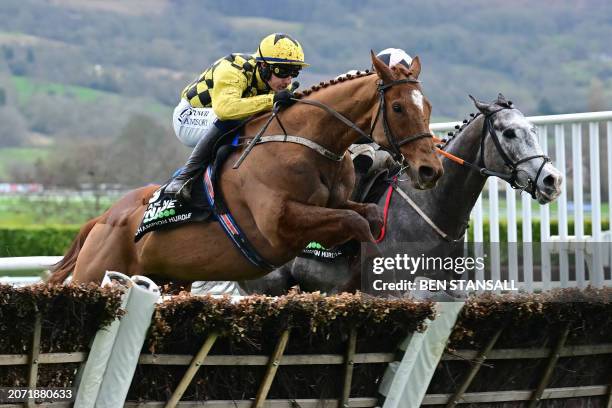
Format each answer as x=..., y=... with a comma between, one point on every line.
x=155, y=196
x=315, y=245
x=158, y=211
x=318, y=251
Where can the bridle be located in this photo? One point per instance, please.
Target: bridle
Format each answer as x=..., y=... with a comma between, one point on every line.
x=394, y=144
x=391, y=139
x=512, y=177
x=481, y=168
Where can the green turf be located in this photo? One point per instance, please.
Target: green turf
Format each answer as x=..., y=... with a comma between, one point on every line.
x=24, y=272
x=28, y=87
x=18, y=211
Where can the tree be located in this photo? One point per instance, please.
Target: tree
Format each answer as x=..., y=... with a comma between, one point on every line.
x=596, y=96
x=146, y=152
x=73, y=164
x=13, y=128
x=8, y=52
x=545, y=107
x=30, y=56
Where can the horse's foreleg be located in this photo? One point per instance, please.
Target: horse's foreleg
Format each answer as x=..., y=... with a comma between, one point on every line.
x=371, y=212
x=301, y=223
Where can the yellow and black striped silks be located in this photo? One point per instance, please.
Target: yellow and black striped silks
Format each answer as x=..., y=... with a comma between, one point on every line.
x=232, y=86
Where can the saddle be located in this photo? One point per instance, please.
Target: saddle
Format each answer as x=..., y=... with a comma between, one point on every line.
x=166, y=212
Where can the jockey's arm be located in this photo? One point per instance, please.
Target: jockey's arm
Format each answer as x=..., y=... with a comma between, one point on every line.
x=227, y=100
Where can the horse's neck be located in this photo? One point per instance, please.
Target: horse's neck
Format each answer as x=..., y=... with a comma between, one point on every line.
x=450, y=203
x=356, y=99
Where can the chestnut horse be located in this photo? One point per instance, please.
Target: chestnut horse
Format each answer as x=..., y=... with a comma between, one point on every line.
x=283, y=195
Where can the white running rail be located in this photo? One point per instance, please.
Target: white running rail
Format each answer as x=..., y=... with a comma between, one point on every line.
x=569, y=257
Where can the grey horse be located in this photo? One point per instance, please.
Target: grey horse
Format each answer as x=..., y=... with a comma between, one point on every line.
x=497, y=141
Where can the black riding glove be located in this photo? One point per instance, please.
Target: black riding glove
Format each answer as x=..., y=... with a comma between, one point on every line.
x=283, y=98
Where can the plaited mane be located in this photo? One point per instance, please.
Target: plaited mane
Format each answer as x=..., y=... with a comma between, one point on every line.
x=325, y=84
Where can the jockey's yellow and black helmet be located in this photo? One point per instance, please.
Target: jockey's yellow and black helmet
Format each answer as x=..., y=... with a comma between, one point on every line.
x=284, y=56
x=279, y=48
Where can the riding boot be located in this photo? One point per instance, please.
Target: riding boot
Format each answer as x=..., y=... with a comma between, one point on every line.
x=180, y=186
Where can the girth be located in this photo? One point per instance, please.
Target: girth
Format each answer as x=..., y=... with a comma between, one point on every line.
x=231, y=228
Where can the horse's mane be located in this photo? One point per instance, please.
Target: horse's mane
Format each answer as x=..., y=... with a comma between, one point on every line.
x=321, y=85
x=397, y=69
x=450, y=136
x=459, y=128
x=333, y=81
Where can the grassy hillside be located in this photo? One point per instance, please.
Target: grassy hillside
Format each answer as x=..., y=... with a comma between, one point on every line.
x=76, y=72
x=548, y=56
x=31, y=88
x=19, y=155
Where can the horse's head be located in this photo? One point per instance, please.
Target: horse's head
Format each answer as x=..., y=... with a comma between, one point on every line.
x=402, y=124
x=509, y=146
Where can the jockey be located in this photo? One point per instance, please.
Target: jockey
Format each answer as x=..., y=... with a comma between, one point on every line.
x=233, y=88
x=394, y=56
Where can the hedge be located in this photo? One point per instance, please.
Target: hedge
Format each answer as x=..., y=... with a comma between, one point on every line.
x=532, y=321
x=319, y=324
x=36, y=241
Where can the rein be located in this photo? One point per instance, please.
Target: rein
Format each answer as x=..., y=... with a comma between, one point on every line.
x=510, y=178
x=395, y=145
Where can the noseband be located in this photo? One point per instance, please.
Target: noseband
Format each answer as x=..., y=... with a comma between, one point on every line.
x=511, y=178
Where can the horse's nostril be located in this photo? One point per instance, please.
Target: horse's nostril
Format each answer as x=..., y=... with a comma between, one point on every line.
x=549, y=181
x=426, y=173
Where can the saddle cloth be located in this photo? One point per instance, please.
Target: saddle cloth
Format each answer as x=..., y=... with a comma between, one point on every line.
x=165, y=212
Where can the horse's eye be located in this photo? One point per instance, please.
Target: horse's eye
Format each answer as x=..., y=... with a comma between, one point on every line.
x=509, y=133
x=397, y=107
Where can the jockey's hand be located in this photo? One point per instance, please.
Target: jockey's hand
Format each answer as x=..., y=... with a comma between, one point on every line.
x=283, y=98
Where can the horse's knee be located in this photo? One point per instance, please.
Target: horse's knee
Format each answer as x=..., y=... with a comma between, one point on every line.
x=359, y=226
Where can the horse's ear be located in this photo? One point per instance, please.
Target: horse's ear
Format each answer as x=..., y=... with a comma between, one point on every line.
x=501, y=99
x=383, y=71
x=482, y=107
x=415, y=67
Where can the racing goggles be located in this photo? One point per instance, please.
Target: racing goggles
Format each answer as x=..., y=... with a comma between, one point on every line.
x=286, y=70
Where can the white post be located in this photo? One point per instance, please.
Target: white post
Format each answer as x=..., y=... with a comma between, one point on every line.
x=578, y=187
x=545, y=220
x=479, y=236
x=128, y=343
x=527, y=242
x=405, y=383
x=609, y=158
x=92, y=374
x=494, y=228
x=512, y=234
x=595, y=275
x=563, y=229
